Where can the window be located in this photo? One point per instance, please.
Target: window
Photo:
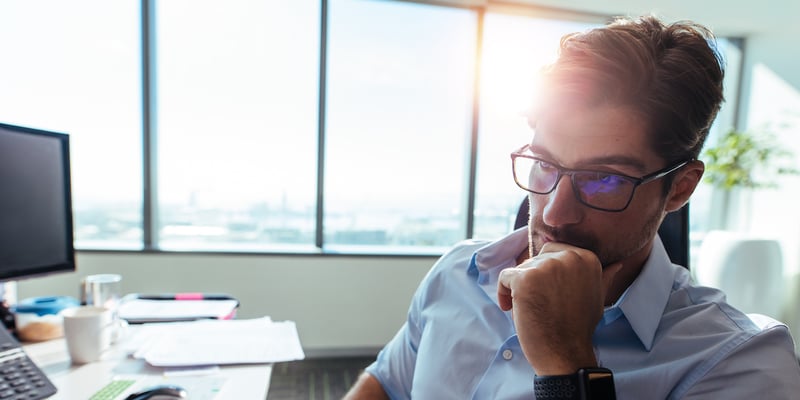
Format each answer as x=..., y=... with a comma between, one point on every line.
x=58, y=73
x=398, y=124
x=236, y=124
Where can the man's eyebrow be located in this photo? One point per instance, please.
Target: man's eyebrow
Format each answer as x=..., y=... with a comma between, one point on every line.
x=610, y=160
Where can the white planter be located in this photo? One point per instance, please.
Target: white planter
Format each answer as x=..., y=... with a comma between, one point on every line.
x=749, y=270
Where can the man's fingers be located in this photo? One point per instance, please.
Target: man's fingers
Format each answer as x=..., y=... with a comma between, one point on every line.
x=504, y=283
x=507, y=280
x=560, y=250
x=552, y=247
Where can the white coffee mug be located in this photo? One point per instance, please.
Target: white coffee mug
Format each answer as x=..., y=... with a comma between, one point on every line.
x=88, y=331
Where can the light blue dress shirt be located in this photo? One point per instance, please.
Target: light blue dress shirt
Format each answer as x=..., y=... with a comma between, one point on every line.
x=663, y=339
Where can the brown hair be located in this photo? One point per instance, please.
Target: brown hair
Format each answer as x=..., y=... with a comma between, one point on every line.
x=671, y=75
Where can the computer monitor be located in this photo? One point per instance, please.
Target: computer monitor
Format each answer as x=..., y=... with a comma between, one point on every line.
x=35, y=203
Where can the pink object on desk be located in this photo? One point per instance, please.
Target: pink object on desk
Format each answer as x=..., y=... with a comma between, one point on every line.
x=189, y=296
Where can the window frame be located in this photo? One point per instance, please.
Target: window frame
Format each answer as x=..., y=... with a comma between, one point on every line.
x=149, y=149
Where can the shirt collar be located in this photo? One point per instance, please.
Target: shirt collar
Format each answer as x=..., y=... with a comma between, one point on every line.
x=489, y=260
x=644, y=301
x=503, y=251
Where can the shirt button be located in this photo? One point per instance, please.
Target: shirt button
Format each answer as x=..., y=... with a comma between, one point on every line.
x=508, y=354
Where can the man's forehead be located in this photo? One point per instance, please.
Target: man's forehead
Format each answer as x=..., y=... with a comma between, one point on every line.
x=592, y=136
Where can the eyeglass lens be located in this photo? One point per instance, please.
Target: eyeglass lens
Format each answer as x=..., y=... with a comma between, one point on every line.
x=596, y=189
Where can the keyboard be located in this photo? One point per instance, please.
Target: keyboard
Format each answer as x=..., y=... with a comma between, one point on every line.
x=20, y=378
x=113, y=389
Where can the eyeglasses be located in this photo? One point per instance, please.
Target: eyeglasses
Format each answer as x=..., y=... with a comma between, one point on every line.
x=595, y=189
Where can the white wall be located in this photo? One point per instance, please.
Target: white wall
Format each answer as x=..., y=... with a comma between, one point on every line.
x=342, y=305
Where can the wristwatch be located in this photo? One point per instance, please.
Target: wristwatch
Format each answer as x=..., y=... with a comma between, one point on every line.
x=586, y=384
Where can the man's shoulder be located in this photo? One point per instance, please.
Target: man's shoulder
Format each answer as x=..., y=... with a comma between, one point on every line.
x=707, y=308
x=701, y=343
x=725, y=342
x=704, y=313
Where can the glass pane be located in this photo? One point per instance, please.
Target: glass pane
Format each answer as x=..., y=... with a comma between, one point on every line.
x=704, y=213
x=237, y=126
x=514, y=49
x=400, y=79
x=74, y=67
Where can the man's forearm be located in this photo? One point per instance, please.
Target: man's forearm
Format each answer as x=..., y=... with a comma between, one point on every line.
x=366, y=387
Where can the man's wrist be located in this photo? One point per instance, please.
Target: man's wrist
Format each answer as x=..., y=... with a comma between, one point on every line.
x=586, y=384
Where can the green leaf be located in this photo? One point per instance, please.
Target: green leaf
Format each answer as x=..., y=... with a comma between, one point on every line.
x=739, y=156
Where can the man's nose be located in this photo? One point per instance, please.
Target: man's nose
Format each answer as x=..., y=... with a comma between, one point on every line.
x=562, y=207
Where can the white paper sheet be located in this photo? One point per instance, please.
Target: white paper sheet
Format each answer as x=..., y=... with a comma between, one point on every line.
x=218, y=342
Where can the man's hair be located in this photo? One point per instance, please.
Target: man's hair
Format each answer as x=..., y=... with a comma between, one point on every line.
x=669, y=74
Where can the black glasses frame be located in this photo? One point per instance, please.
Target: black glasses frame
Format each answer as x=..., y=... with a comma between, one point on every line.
x=636, y=182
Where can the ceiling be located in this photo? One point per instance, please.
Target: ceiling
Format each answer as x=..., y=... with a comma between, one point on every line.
x=724, y=17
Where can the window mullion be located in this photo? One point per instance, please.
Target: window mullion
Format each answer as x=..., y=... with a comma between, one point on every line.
x=149, y=151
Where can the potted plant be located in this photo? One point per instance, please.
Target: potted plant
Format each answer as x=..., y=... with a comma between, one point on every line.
x=746, y=160
x=748, y=269
x=743, y=160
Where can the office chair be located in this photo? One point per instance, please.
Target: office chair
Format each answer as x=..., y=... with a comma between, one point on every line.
x=674, y=232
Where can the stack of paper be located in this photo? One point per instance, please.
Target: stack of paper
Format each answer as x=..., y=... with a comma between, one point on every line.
x=218, y=342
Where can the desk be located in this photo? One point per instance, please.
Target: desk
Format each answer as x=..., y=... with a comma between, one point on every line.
x=80, y=382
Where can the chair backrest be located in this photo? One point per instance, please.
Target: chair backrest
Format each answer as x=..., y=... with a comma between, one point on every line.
x=674, y=232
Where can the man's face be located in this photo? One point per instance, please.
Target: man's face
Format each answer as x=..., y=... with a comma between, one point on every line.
x=605, y=139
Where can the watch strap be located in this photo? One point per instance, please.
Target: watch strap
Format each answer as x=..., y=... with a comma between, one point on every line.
x=557, y=387
x=586, y=384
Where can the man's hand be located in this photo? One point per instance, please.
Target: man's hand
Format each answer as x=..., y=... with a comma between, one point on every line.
x=366, y=388
x=556, y=299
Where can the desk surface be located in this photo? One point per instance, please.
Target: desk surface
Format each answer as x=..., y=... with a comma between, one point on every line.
x=80, y=382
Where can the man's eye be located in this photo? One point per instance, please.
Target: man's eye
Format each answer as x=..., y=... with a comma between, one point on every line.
x=609, y=179
x=544, y=165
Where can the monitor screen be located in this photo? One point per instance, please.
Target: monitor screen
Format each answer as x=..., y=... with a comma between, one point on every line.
x=35, y=203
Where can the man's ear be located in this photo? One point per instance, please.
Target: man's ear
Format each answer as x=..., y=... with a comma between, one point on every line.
x=683, y=185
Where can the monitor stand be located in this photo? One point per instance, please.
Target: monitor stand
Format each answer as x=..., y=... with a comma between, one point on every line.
x=8, y=298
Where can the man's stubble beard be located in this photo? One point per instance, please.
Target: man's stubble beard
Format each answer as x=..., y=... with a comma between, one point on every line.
x=572, y=235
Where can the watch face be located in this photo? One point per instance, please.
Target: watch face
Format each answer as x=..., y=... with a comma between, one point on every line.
x=599, y=383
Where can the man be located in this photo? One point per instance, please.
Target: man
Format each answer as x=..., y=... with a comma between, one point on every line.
x=587, y=304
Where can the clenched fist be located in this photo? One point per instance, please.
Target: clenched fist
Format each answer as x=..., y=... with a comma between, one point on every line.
x=557, y=299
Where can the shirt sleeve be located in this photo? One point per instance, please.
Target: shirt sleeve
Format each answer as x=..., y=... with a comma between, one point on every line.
x=763, y=367
x=396, y=362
